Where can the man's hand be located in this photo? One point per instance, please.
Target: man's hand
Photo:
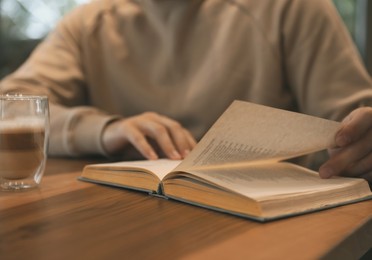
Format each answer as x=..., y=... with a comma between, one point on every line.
x=353, y=154
x=173, y=140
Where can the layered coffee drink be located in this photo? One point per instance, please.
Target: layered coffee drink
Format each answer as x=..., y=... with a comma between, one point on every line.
x=21, y=148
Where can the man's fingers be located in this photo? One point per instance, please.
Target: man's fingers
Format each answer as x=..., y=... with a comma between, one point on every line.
x=182, y=138
x=352, y=160
x=138, y=140
x=354, y=126
x=166, y=143
x=191, y=140
x=362, y=166
x=173, y=140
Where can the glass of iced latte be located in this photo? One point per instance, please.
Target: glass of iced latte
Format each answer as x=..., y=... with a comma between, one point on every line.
x=24, y=131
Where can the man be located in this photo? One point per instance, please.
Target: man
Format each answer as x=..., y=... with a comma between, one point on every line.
x=158, y=73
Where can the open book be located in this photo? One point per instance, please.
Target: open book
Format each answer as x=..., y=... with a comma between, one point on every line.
x=238, y=167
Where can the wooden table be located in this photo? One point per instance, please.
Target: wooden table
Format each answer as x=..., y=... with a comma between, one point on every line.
x=68, y=219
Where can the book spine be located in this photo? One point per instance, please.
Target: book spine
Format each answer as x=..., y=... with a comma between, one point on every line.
x=158, y=195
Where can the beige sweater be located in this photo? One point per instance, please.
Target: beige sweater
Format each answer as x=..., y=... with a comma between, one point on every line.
x=188, y=59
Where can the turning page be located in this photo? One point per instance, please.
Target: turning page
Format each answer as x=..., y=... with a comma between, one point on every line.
x=249, y=132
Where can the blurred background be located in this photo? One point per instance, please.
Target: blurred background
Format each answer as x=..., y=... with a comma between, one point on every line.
x=23, y=23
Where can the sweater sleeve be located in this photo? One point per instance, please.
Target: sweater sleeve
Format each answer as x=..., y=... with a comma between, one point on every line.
x=322, y=65
x=55, y=69
x=77, y=131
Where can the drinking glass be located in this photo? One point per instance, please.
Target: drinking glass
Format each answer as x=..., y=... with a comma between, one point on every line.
x=24, y=134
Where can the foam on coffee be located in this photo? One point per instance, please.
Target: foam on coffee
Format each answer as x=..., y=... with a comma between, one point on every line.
x=20, y=123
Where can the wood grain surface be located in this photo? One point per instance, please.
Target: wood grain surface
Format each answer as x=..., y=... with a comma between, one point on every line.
x=68, y=219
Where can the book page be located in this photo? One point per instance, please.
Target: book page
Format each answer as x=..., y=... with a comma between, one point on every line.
x=268, y=181
x=249, y=132
x=155, y=167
